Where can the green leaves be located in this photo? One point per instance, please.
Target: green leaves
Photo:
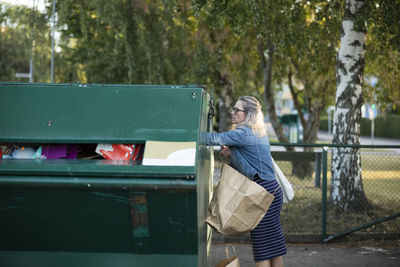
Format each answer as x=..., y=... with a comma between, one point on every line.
x=18, y=25
x=199, y=41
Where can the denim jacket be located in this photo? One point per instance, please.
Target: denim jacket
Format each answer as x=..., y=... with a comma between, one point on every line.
x=249, y=154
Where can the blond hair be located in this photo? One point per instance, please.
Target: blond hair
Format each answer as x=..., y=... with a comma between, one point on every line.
x=254, y=116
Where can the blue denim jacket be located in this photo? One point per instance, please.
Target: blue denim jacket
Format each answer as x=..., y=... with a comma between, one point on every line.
x=249, y=154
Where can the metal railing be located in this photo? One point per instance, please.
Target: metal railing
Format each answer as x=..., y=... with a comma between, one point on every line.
x=311, y=211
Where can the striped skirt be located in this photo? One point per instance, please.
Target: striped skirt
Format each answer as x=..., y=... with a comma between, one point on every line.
x=267, y=238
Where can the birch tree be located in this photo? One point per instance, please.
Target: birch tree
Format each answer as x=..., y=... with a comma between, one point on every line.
x=346, y=185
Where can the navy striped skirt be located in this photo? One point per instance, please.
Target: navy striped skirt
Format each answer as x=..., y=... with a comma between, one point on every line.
x=267, y=238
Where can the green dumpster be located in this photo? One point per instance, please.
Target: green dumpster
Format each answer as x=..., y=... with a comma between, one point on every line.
x=290, y=127
x=93, y=211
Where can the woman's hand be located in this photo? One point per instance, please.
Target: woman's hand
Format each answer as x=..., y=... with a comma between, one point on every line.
x=225, y=151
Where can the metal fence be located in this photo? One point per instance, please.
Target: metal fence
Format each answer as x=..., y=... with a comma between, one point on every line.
x=311, y=211
x=308, y=168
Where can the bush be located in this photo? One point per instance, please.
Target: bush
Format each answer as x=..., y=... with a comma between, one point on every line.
x=323, y=124
x=385, y=126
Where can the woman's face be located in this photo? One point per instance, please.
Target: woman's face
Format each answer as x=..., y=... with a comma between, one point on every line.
x=237, y=114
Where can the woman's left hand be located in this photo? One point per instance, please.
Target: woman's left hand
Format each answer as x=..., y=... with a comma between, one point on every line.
x=225, y=151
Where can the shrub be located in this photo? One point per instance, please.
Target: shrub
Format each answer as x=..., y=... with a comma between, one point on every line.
x=385, y=126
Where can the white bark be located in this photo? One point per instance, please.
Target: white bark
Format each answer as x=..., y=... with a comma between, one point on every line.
x=346, y=183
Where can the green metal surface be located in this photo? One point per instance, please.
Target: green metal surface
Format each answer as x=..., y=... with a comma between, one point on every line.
x=51, y=218
x=367, y=225
x=92, y=182
x=324, y=189
x=98, y=168
x=93, y=114
x=204, y=185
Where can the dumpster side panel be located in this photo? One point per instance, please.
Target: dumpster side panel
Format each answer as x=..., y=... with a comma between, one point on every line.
x=204, y=186
x=173, y=217
x=52, y=219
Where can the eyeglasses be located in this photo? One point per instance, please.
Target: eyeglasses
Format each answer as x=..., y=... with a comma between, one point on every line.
x=236, y=110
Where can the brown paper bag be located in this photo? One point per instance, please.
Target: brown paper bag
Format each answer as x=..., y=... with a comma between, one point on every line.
x=238, y=204
x=229, y=261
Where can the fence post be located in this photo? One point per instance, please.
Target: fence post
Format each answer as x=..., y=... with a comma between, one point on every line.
x=324, y=189
x=317, y=179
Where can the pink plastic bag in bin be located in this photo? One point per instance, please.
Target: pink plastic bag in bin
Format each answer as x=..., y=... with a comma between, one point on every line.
x=118, y=151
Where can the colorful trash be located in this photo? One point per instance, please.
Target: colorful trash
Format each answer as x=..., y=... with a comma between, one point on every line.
x=119, y=151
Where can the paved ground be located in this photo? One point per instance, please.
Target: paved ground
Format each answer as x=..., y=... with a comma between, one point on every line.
x=322, y=255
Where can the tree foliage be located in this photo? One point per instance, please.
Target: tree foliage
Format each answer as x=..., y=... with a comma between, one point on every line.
x=20, y=25
x=123, y=41
x=217, y=43
x=296, y=43
x=383, y=54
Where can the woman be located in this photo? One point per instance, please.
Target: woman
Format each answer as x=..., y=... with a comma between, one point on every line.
x=248, y=147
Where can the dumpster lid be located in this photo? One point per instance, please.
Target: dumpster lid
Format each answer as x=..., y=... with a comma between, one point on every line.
x=93, y=113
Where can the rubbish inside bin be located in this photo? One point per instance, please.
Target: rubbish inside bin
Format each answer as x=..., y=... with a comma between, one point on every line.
x=133, y=152
x=5, y=152
x=119, y=151
x=17, y=152
x=23, y=153
x=60, y=151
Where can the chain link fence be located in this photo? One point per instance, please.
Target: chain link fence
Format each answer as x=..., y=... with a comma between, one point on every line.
x=310, y=213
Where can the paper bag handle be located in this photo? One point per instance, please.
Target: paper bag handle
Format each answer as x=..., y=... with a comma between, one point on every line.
x=227, y=251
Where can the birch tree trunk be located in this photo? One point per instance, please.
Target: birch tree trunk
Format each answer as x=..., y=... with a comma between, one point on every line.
x=347, y=191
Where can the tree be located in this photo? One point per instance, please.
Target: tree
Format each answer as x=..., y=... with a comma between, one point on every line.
x=258, y=21
x=123, y=41
x=311, y=49
x=381, y=59
x=18, y=25
x=162, y=42
x=382, y=55
x=347, y=191
x=298, y=55
x=219, y=55
x=296, y=45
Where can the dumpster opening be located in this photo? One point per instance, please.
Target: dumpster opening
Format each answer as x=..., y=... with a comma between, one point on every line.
x=132, y=152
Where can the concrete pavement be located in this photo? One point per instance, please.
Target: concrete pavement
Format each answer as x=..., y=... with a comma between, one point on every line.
x=320, y=255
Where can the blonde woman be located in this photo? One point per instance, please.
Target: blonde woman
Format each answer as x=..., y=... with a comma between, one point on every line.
x=248, y=148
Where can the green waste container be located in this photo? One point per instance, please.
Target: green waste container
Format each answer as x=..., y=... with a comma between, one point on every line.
x=105, y=212
x=290, y=127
